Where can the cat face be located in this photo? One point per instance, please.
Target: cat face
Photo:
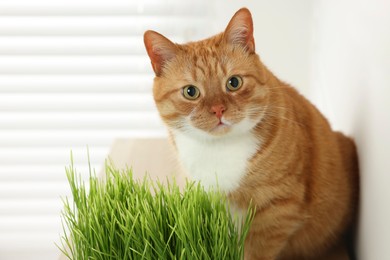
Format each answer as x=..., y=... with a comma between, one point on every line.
x=213, y=87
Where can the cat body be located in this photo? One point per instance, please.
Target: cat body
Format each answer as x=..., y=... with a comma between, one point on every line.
x=238, y=127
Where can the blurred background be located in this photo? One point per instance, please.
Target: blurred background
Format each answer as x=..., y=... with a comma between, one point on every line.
x=74, y=75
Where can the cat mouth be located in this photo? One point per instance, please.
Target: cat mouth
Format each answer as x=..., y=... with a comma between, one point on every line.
x=221, y=127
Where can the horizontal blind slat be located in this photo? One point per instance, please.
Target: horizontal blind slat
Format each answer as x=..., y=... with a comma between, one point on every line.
x=33, y=173
x=74, y=64
x=81, y=120
x=28, y=224
x=72, y=83
x=38, y=207
x=50, y=155
x=95, y=26
x=29, y=241
x=76, y=45
x=73, y=45
x=76, y=102
x=38, y=190
x=71, y=138
x=96, y=7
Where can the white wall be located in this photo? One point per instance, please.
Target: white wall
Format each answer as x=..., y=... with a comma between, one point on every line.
x=350, y=82
x=281, y=34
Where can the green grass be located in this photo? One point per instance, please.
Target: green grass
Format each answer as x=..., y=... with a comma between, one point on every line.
x=121, y=218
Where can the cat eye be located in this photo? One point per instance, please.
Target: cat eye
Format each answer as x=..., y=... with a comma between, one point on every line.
x=234, y=83
x=191, y=92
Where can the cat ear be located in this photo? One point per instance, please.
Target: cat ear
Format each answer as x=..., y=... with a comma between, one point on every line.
x=240, y=30
x=160, y=50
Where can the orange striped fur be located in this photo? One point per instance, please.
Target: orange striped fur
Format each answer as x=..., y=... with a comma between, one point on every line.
x=301, y=176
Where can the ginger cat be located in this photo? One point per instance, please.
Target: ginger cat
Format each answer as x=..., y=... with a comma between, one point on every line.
x=236, y=125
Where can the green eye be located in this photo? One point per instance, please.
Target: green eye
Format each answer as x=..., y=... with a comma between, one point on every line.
x=234, y=83
x=191, y=92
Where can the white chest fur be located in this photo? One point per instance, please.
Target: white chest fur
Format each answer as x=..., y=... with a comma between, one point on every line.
x=218, y=162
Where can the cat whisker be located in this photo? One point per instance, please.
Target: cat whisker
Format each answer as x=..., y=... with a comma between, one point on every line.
x=278, y=112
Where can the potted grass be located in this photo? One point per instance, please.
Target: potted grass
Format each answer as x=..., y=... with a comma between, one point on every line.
x=124, y=218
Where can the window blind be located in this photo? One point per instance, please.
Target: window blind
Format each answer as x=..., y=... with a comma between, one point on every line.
x=73, y=74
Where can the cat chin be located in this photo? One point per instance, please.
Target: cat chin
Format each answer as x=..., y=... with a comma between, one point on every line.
x=220, y=129
x=220, y=132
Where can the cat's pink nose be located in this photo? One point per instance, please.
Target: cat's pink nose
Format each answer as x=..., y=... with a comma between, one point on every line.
x=218, y=110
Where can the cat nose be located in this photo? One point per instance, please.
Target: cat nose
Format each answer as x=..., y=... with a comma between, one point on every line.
x=218, y=110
